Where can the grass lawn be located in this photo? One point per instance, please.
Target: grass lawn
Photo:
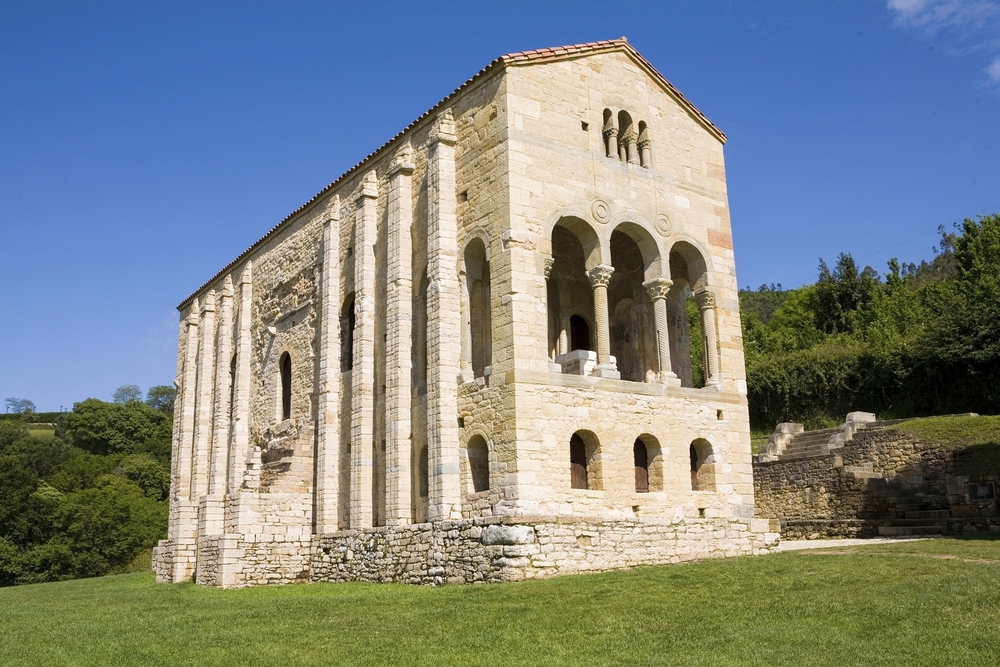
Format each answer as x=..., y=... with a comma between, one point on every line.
x=919, y=603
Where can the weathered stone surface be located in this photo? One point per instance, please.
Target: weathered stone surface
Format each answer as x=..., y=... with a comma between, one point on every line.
x=405, y=382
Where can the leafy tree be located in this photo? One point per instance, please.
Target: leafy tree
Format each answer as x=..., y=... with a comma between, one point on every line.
x=161, y=397
x=103, y=428
x=126, y=393
x=840, y=293
x=10, y=432
x=21, y=406
x=42, y=454
x=147, y=473
x=16, y=486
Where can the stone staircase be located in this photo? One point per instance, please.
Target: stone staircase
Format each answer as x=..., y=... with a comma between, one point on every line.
x=915, y=513
x=791, y=441
x=810, y=443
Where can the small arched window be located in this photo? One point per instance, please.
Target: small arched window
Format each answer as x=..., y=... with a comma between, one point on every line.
x=479, y=464
x=232, y=386
x=286, y=386
x=579, y=333
x=641, y=457
x=702, y=466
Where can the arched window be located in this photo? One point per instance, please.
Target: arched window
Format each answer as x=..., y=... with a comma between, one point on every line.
x=626, y=137
x=610, y=134
x=702, y=466
x=232, y=386
x=584, y=461
x=579, y=333
x=347, y=334
x=286, y=386
x=479, y=464
x=645, y=152
x=478, y=316
x=422, y=473
x=635, y=256
x=641, y=457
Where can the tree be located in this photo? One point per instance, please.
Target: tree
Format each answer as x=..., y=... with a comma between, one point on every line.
x=126, y=393
x=20, y=406
x=127, y=428
x=161, y=397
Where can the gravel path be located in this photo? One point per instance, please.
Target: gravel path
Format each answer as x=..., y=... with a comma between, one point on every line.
x=798, y=545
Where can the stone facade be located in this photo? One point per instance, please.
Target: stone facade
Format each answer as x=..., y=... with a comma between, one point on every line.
x=482, y=324
x=881, y=481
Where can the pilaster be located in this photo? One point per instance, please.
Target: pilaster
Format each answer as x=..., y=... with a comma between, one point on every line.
x=328, y=453
x=399, y=326
x=444, y=348
x=240, y=439
x=188, y=402
x=363, y=373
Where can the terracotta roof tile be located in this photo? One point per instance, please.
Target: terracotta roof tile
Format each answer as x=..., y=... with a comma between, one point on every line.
x=520, y=58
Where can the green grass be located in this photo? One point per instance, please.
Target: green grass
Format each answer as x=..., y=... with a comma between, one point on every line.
x=979, y=437
x=915, y=603
x=41, y=432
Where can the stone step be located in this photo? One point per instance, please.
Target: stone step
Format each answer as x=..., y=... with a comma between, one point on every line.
x=918, y=522
x=928, y=514
x=900, y=531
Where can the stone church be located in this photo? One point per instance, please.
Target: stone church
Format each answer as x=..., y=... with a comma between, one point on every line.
x=504, y=345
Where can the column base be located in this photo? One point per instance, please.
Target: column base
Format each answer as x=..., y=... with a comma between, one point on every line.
x=670, y=380
x=607, y=371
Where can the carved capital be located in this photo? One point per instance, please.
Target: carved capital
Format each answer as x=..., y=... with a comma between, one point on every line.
x=658, y=288
x=644, y=143
x=609, y=130
x=705, y=299
x=549, y=263
x=629, y=137
x=444, y=129
x=600, y=275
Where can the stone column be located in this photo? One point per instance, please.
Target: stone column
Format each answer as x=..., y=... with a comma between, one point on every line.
x=203, y=423
x=658, y=288
x=444, y=324
x=326, y=507
x=188, y=402
x=629, y=147
x=599, y=277
x=706, y=304
x=363, y=374
x=645, y=151
x=399, y=329
x=610, y=133
x=239, y=445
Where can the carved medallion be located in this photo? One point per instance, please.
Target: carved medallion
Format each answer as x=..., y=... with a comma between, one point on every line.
x=601, y=210
x=662, y=224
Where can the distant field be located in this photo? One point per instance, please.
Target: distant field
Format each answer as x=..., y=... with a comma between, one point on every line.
x=41, y=432
x=920, y=603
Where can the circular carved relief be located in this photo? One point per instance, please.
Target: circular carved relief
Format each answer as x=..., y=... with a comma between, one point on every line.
x=662, y=224
x=601, y=210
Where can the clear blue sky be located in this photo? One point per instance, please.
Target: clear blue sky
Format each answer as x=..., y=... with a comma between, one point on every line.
x=145, y=145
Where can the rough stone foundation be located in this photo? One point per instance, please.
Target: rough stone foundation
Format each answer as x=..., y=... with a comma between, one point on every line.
x=512, y=549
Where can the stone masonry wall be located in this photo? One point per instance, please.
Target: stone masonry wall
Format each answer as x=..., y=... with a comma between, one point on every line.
x=851, y=491
x=497, y=549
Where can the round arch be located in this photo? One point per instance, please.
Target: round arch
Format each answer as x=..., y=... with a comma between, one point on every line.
x=642, y=233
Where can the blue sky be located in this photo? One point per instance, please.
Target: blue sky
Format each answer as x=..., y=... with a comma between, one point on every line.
x=144, y=145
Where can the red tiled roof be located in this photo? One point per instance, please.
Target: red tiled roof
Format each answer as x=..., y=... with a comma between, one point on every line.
x=510, y=59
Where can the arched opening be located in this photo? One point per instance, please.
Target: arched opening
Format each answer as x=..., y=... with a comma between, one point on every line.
x=632, y=321
x=702, y=465
x=585, y=461
x=648, y=459
x=610, y=134
x=575, y=249
x=625, y=131
x=286, y=386
x=479, y=464
x=580, y=334
x=687, y=345
x=478, y=321
x=347, y=334
x=641, y=458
